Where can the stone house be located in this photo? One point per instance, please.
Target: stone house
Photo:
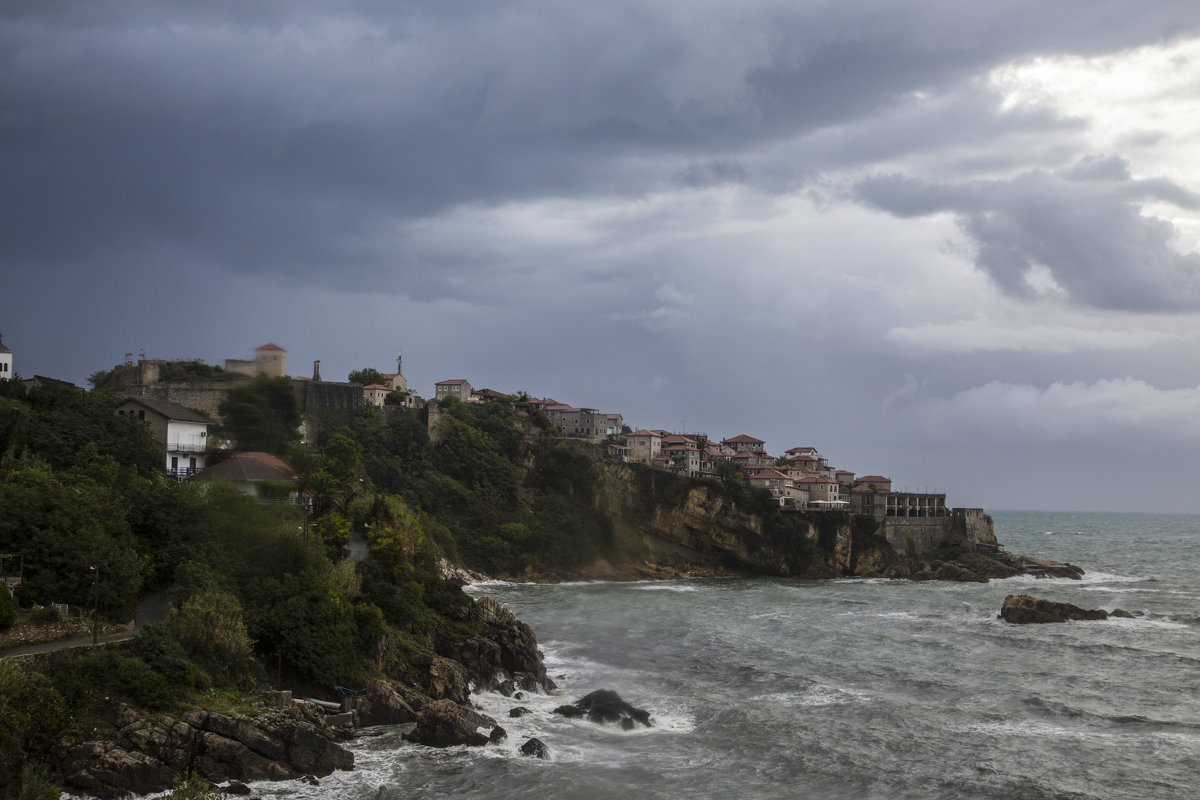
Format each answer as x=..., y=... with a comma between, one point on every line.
x=374, y=394
x=183, y=432
x=823, y=492
x=456, y=387
x=745, y=444
x=644, y=446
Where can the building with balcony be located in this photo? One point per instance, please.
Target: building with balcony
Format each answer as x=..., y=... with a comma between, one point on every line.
x=183, y=432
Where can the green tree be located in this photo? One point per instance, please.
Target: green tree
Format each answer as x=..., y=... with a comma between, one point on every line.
x=209, y=627
x=8, y=609
x=366, y=376
x=263, y=416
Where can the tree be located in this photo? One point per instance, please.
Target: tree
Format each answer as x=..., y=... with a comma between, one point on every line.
x=210, y=628
x=8, y=609
x=366, y=376
x=263, y=416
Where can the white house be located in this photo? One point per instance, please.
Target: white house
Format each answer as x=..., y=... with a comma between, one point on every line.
x=6, y=370
x=183, y=432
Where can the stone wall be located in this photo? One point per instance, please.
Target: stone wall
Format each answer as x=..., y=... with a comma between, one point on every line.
x=322, y=397
x=968, y=528
x=203, y=395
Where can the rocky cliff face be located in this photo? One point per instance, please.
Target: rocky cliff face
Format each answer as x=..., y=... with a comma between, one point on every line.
x=665, y=525
x=150, y=754
x=141, y=753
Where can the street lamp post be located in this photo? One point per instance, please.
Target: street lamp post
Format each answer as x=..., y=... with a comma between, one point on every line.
x=95, y=603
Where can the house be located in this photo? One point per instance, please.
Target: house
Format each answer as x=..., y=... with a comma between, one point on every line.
x=644, y=446
x=6, y=361
x=270, y=361
x=183, y=432
x=262, y=476
x=374, y=394
x=745, y=444
x=682, y=455
x=823, y=492
x=457, y=388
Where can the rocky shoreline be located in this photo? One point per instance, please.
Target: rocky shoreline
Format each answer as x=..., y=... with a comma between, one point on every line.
x=283, y=739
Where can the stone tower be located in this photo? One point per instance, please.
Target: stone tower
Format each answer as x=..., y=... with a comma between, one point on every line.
x=270, y=360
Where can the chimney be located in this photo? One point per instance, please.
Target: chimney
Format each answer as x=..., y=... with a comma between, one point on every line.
x=316, y=370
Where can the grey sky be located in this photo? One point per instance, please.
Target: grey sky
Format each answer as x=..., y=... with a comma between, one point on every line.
x=954, y=244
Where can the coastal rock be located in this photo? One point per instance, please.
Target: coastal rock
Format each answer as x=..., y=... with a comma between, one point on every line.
x=152, y=754
x=1041, y=568
x=444, y=723
x=569, y=711
x=605, y=705
x=535, y=748
x=384, y=703
x=448, y=680
x=518, y=711
x=1023, y=609
x=519, y=654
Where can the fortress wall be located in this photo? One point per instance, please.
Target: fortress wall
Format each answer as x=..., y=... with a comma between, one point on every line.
x=969, y=528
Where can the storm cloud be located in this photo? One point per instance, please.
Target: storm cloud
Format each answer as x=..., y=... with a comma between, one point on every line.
x=814, y=222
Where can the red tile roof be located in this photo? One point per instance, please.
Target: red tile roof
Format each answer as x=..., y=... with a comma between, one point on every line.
x=743, y=438
x=250, y=467
x=454, y=382
x=874, y=479
x=269, y=346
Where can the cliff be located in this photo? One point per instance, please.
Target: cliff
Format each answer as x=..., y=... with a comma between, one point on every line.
x=664, y=524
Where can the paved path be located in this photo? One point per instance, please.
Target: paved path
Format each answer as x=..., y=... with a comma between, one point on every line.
x=152, y=608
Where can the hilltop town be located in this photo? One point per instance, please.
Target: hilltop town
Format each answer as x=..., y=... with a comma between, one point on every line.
x=801, y=478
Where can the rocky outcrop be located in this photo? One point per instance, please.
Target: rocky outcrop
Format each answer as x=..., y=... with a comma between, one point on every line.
x=386, y=703
x=605, y=705
x=153, y=754
x=444, y=723
x=1023, y=609
x=535, y=748
x=506, y=650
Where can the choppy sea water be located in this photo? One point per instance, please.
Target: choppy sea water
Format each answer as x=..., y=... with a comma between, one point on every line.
x=851, y=688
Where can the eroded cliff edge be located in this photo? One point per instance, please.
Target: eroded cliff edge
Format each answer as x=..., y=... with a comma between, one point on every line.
x=663, y=525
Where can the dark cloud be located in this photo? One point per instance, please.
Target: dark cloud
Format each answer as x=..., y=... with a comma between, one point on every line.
x=282, y=137
x=641, y=206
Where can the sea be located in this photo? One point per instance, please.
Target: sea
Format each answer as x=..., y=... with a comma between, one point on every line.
x=854, y=688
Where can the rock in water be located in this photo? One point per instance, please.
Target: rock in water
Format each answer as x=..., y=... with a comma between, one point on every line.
x=1022, y=609
x=605, y=705
x=536, y=748
x=443, y=723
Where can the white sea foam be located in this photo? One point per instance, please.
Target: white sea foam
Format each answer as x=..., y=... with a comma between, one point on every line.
x=665, y=587
x=813, y=697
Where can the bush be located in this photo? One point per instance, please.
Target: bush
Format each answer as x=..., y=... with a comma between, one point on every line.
x=209, y=627
x=47, y=615
x=8, y=609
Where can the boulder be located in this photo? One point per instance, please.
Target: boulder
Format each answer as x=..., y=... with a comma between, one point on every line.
x=518, y=711
x=605, y=705
x=569, y=711
x=444, y=723
x=1022, y=609
x=535, y=748
x=384, y=703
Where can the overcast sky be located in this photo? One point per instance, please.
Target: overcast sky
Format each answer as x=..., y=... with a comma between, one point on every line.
x=954, y=243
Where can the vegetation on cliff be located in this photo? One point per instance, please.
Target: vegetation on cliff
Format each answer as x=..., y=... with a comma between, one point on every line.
x=265, y=593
